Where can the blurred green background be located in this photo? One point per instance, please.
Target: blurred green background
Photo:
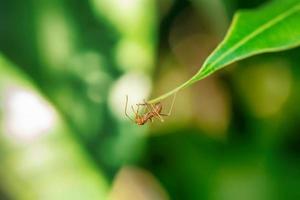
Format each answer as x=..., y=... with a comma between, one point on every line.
x=66, y=66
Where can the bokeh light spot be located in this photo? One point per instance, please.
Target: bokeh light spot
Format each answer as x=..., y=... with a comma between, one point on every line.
x=26, y=115
x=136, y=85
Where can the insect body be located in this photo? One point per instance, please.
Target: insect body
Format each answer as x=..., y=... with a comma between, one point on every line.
x=152, y=111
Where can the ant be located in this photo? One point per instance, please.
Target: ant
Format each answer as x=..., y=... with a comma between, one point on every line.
x=153, y=111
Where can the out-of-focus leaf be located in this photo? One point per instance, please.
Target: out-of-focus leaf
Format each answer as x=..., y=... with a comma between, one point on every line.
x=39, y=157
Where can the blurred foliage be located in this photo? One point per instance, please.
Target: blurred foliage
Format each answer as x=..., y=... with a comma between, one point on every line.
x=66, y=66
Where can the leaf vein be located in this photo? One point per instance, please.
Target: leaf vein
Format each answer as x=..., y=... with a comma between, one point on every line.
x=258, y=31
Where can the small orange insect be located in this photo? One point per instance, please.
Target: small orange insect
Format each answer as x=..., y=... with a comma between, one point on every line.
x=153, y=111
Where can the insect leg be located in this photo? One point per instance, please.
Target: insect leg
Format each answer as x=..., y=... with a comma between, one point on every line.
x=135, y=112
x=156, y=113
x=171, y=108
x=149, y=108
x=145, y=104
x=126, y=109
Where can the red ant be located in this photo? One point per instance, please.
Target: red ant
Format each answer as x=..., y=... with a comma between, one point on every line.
x=153, y=111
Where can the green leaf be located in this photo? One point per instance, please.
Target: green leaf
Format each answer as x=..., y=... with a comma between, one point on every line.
x=273, y=27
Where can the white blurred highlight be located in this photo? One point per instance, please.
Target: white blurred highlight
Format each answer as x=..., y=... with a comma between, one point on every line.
x=136, y=85
x=127, y=10
x=125, y=7
x=26, y=115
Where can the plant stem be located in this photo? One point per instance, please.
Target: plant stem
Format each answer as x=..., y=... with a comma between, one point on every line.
x=185, y=84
